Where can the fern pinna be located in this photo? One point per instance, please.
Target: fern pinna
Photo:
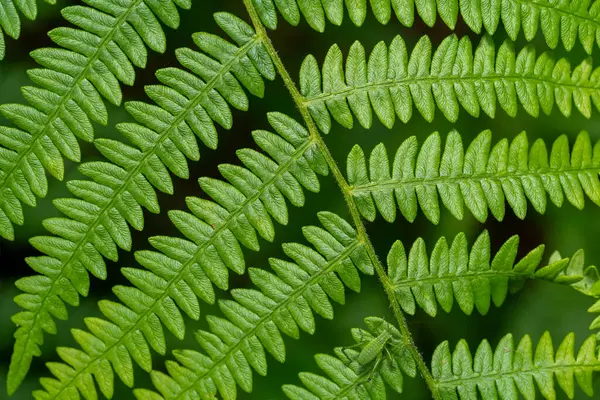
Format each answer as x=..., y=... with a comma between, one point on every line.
x=395, y=80
x=487, y=177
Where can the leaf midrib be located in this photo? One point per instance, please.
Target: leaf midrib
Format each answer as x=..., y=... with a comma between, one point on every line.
x=184, y=268
x=411, y=281
x=496, y=375
x=396, y=184
x=347, y=91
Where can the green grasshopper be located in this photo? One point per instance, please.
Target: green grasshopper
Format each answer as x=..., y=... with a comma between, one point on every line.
x=379, y=344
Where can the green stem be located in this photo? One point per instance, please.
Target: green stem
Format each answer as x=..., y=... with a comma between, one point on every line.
x=300, y=102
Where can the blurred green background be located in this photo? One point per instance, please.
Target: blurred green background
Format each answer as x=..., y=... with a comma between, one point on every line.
x=538, y=308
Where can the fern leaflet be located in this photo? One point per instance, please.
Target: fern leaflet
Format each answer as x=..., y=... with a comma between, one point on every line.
x=509, y=371
x=391, y=81
x=589, y=285
x=479, y=178
x=563, y=21
x=453, y=273
x=97, y=220
x=94, y=59
x=588, y=278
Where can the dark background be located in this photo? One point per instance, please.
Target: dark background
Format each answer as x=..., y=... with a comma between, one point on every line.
x=539, y=307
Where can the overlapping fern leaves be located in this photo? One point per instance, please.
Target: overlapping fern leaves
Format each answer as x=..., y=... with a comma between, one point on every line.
x=89, y=65
x=183, y=270
x=97, y=219
x=508, y=372
x=487, y=176
x=391, y=81
x=255, y=320
x=564, y=20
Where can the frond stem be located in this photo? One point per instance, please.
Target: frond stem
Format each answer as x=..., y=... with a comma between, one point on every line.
x=300, y=102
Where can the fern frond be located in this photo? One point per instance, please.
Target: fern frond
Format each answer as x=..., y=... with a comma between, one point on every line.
x=255, y=320
x=94, y=59
x=453, y=272
x=10, y=22
x=97, y=219
x=349, y=377
x=481, y=178
x=558, y=20
x=183, y=270
x=508, y=371
x=391, y=81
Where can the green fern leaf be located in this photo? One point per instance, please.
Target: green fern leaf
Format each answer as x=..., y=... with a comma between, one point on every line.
x=183, y=270
x=472, y=279
x=97, y=219
x=509, y=371
x=559, y=21
x=255, y=320
x=91, y=63
x=479, y=178
x=454, y=75
x=349, y=376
